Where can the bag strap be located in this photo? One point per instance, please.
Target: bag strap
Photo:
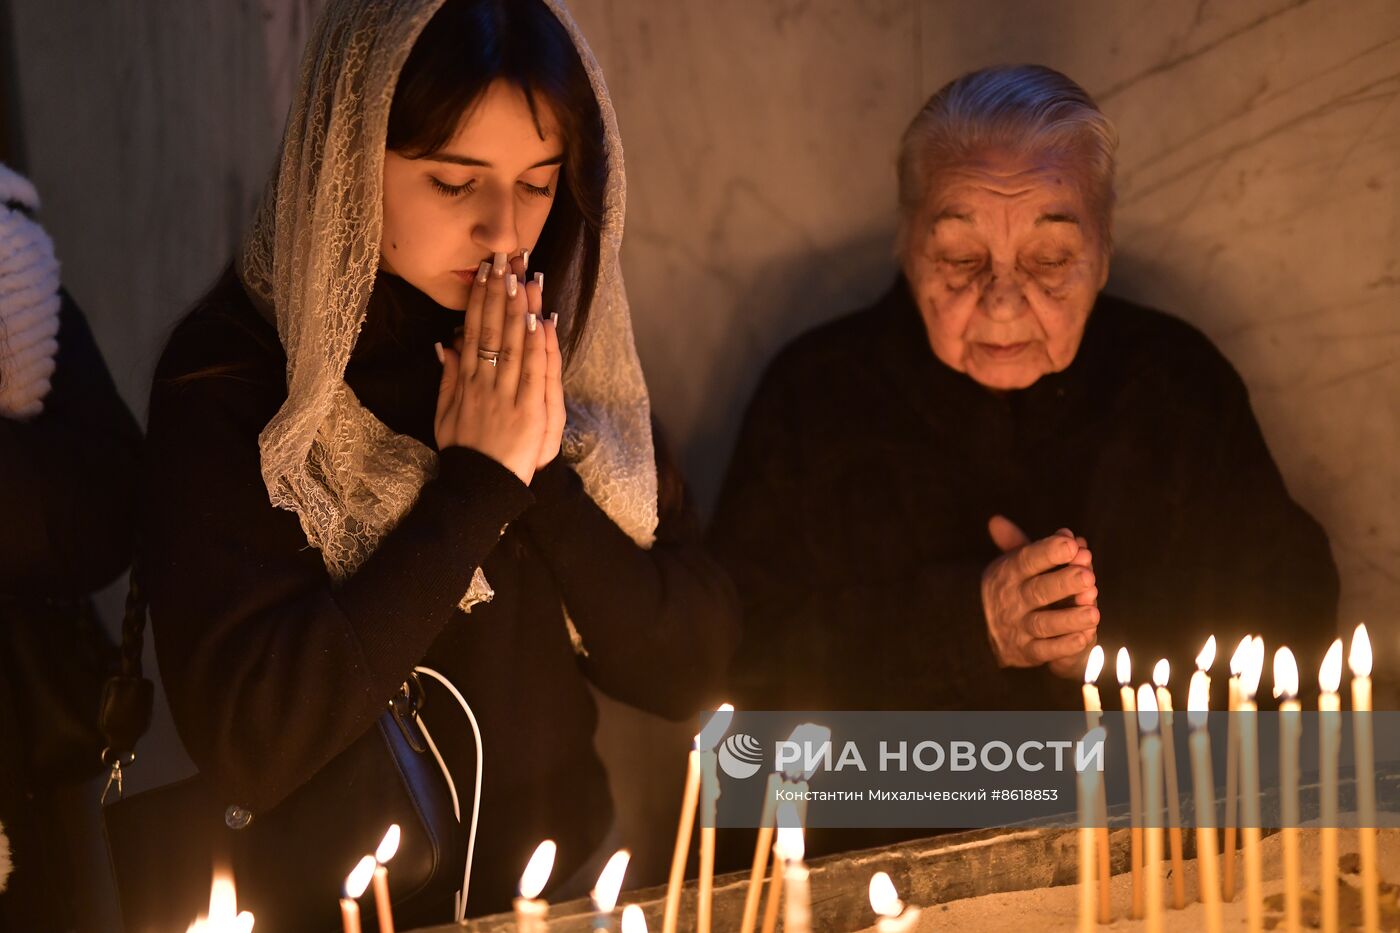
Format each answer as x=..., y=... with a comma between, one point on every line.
x=127, y=697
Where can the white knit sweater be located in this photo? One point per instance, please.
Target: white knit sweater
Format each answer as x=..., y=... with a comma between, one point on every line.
x=29, y=301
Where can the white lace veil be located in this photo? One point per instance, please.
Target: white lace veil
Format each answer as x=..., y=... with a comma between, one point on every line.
x=310, y=261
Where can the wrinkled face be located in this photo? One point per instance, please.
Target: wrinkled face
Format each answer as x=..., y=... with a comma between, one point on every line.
x=1005, y=260
x=488, y=191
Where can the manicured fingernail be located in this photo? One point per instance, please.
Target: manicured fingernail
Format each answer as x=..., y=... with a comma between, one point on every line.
x=511, y=285
x=437, y=347
x=500, y=265
x=539, y=280
x=554, y=319
x=483, y=272
x=531, y=322
x=525, y=258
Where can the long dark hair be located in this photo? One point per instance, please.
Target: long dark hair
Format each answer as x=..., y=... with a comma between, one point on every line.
x=466, y=46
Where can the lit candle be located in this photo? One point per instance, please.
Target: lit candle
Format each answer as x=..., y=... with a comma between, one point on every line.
x=1329, y=705
x=382, y=904
x=1161, y=674
x=1125, y=676
x=1093, y=716
x=710, y=736
x=1232, y=763
x=224, y=916
x=1203, y=775
x=606, y=889
x=1360, y=662
x=1249, y=785
x=1289, y=733
x=634, y=920
x=1204, y=661
x=884, y=900
x=355, y=884
x=1090, y=782
x=794, y=780
x=1152, y=795
x=789, y=847
x=530, y=909
x=690, y=799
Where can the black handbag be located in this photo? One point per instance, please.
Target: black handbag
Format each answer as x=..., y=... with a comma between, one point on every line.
x=54, y=655
x=289, y=862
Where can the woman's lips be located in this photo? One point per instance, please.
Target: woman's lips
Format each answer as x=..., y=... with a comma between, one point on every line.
x=1002, y=351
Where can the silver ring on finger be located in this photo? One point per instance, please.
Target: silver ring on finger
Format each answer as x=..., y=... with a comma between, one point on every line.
x=489, y=356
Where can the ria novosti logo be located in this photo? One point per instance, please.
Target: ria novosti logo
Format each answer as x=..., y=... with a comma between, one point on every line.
x=741, y=755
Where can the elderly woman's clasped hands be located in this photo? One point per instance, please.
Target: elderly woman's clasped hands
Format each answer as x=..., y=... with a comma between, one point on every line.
x=502, y=390
x=1040, y=599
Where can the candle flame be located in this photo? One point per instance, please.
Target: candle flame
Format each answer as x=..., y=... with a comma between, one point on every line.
x=610, y=881
x=537, y=871
x=1285, y=674
x=715, y=727
x=1094, y=667
x=1125, y=667
x=1161, y=673
x=633, y=919
x=1206, y=658
x=1198, y=700
x=1329, y=678
x=1360, y=657
x=359, y=877
x=790, y=844
x=884, y=899
x=1252, y=668
x=224, y=916
x=1147, y=709
x=1237, y=660
x=388, y=845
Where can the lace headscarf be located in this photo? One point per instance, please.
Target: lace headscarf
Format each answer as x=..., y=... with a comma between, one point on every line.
x=310, y=261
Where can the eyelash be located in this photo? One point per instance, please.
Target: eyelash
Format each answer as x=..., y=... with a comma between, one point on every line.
x=452, y=191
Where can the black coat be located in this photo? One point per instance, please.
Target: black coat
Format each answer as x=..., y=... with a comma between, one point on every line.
x=67, y=502
x=854, y=515
x=271, y=670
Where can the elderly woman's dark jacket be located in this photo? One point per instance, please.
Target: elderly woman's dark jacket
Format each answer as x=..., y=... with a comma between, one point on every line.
x=854, y=516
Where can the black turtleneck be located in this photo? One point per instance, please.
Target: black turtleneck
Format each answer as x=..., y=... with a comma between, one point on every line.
x=271, y=670
x=854, y=516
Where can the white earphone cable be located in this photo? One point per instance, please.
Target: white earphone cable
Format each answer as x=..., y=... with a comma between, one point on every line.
x=461, y=899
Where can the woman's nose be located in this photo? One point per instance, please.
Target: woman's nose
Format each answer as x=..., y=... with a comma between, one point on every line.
x=494, y=227
x=1003, y=297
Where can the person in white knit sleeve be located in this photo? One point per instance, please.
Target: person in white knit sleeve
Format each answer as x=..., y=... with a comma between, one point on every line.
x=69, y=449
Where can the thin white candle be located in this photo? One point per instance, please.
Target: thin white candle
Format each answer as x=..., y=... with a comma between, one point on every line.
x=690, y=799
x=1329, y=705
x=1129, y=701
x=1152, y=802
x=1161, y=675
x=1249, y=785
x=1205, y=660
x=1289, y=729
x=1090, y=782
x=1093, y=717
x=1360, y=663
x=1207, y=871
x=1232, y=764
x=884, y=900
x=790, y=847
x=530, y=909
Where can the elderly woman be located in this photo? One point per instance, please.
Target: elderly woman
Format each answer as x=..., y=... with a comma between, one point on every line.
x=945, y=500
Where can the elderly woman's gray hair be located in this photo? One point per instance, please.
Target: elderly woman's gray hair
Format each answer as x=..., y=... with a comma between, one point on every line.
x=1026, y=109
